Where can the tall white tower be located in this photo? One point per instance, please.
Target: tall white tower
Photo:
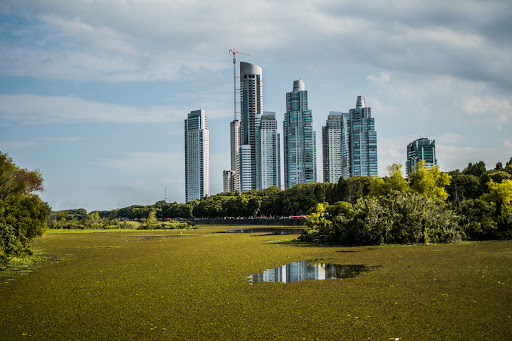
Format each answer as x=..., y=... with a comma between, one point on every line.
x=197, y=156
x=251, y=109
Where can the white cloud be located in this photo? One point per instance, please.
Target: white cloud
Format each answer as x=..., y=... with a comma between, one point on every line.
x=14, y=145
x=490, y=107
x=29, y=108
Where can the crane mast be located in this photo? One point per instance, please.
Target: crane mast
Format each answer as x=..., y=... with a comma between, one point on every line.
x=234, y=52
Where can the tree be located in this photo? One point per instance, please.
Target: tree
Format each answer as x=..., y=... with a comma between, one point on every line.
x=394, y=182
x=500, y=194
x=476, y=169
x=95, y=217
x=463, y=187
x=23, y=215
x=429, y=182
x=151, y=218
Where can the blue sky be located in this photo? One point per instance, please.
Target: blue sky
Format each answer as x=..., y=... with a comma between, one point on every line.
x=94, y=93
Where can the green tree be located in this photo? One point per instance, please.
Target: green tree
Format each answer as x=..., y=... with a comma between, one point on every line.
x=500, y=194
x=95, y=217
x=394, y=182
x=430, y=182
x=475, y=169
x=23, y=215
x=151, y=220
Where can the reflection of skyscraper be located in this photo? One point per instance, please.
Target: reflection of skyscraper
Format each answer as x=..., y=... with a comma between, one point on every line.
x=197, y=156
x=421, y=149
x=363, y=141
x=299, y=138
x=268, y=153
x=335, y=143
x=251, y=109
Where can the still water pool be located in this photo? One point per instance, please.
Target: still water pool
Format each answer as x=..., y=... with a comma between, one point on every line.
x=308, y=270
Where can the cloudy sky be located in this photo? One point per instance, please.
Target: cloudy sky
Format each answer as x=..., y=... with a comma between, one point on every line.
x=94, y=93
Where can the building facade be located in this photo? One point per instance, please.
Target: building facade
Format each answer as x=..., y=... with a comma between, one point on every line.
x=228, y=181
x=363, y=140
x=335, y=147
x=234, y=138
x=268, y=152
x=421, y=149
x=197, y=156
x=251, y=110
x=299, y=138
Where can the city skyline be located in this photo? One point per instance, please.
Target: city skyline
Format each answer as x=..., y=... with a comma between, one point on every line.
x=94, y=95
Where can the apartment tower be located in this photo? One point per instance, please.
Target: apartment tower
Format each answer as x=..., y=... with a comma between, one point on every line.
x=363, y=140
x=299, y=138
x=268, y=152
x=335, y=147
x=420, y=149
x=197, y=156
x=251, y=110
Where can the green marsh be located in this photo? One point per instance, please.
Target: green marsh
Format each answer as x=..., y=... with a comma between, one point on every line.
x=192, y=285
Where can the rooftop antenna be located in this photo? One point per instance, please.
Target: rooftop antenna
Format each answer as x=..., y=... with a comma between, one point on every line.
x=234, y=51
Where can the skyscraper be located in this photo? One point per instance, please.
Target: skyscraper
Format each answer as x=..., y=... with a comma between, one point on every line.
x=228, y=181
x=363, y=140
x=268, y=152
x=335, y=146
x=299, y=138
x=234, y=137
x=251, y=109
x=197, y=156
x=421, y=149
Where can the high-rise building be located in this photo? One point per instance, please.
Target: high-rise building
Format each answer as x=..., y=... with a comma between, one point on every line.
x=251, y=109
x=268, y=152
x=235, y=149
x=197, y=156
x=228, y=181
x=244, y=170
x=336, y=147
x=299, y=138
x=421, y=149
x=363, y=141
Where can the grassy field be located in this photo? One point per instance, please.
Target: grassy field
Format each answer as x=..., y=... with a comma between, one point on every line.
x=163, y=285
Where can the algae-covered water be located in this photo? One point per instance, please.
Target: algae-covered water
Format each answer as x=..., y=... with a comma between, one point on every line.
x=192, y=285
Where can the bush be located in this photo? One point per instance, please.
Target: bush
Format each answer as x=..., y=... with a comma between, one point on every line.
x=399, y=218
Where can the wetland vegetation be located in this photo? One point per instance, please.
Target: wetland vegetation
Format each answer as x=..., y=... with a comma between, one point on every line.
x=193, y=285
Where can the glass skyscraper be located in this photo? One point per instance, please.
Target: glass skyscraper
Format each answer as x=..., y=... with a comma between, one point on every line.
x=299, y=138
x=197, y=156
x=363, y=140
x=421, y=149
x=336, y=147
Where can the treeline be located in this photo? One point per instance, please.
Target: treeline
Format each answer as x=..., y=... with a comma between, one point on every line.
x=466, y=194
x=429, y=206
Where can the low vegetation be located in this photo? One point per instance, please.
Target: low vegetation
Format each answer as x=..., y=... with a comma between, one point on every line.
x=163, y=285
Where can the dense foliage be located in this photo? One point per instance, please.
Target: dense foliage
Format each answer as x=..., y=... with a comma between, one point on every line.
x=23, y=215
x=416, y=210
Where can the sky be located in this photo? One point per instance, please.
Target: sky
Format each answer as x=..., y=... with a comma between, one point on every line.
x=94, y=94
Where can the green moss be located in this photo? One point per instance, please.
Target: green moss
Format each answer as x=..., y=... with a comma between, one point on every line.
x=192, y=285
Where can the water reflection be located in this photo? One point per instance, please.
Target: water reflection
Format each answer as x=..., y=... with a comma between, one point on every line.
x=308, y=270
x=268, y=230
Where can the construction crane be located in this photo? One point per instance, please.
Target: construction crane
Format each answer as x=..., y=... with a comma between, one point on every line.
x=234, y=52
